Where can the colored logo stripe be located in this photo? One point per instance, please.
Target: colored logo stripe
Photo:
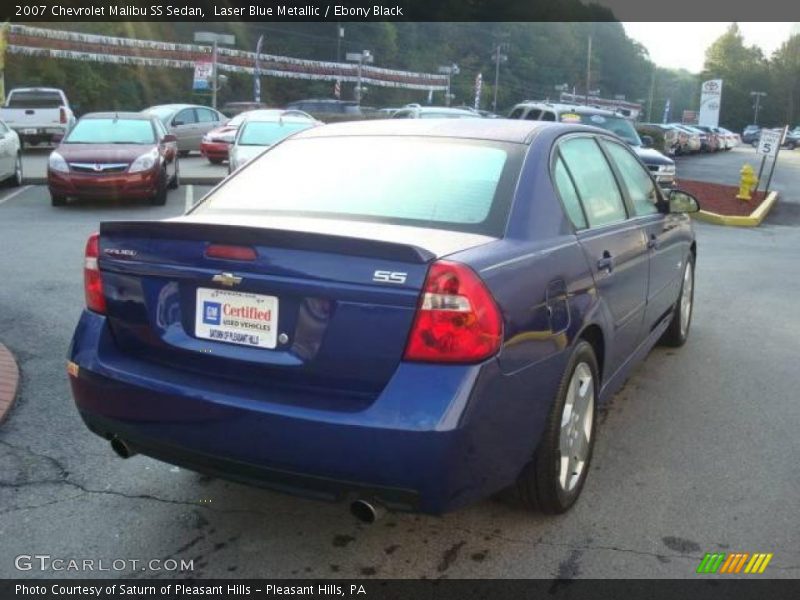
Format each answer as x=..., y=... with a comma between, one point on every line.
x=719, y=562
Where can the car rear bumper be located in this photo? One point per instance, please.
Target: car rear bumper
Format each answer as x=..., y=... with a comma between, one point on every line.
x=215, y=150
x=115, y=185
x=436, y=438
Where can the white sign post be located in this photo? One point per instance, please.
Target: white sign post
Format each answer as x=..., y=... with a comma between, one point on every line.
x=769, y=142
x=710, y=99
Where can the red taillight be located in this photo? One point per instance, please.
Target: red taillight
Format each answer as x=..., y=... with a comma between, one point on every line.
x=230, y=252
x=457, y=320
x=62, y=114
x=92, y=281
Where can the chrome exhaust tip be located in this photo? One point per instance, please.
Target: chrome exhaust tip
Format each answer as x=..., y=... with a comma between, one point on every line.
x=366, y=512
x=122, y=449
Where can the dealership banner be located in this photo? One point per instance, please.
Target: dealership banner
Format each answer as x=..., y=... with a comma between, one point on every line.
x=50, y=43
x=710, y=99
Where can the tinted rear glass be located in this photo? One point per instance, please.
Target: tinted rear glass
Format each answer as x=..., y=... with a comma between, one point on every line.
x=258, y=133
x=112, y=131
x=459, y=185
x=35, y=100
x=617, y=125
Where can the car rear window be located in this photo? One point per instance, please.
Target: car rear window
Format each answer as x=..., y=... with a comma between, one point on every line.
x=112, y=131
x=35, y=99
x=454, y=184
x=263, y=133
x=617, y=125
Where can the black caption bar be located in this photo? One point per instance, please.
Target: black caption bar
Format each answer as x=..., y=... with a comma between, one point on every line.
x=215, y=589
x=397, y=10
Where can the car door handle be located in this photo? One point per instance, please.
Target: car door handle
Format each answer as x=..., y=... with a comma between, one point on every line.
x=606, y=263
x=652, y=242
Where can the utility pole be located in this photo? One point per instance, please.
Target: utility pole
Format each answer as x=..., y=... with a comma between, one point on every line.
x=339, y=38
x=449, y=70
x=588, y=68
x=650, y=96
x=756, y=106
x=498, y=58
x=360, y=58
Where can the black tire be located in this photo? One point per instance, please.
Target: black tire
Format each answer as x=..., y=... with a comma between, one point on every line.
x=676, y=335
x=56, y=200
x=176, y=179
x=539, y=486
x=216, y=161
x=183, y=153
x=16, y=179
x=160, y=198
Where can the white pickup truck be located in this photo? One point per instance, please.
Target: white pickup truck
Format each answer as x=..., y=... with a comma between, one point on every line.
x=38, y=114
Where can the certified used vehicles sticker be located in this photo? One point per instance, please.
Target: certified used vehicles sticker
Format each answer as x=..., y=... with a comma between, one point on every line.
x=236, y=317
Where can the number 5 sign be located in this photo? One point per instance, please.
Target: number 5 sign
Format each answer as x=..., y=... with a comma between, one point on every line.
x=769, y=142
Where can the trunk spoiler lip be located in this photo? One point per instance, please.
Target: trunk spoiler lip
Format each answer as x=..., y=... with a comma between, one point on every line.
x=260, y=236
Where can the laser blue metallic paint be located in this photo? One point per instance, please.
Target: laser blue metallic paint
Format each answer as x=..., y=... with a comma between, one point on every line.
x=336, y=410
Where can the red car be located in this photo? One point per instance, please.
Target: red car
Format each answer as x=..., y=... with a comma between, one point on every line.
x=217, y=142
x=114, y=155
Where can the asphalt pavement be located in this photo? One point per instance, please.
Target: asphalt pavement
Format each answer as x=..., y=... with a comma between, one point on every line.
x=698, y=453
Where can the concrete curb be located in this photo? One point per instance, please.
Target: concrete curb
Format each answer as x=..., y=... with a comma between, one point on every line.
x=753, y=220
x=9, y=381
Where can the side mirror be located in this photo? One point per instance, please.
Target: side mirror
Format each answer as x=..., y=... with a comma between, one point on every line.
x=647, y=141
x=681, y=202
x=170, y=138
x=177, y=123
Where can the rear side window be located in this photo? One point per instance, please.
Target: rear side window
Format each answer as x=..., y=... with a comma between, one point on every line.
x=448, y=184
x=35, y=99
x=548, y=116
x=569, y=195
x=205, y=115
x=533, y=114
x=594, y=181
x=641, y=188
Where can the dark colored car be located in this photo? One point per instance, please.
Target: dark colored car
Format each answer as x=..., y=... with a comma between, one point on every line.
x=751, y=133
x=324, y=107
x=114, y=155
x=432, y=317
x=662, y=167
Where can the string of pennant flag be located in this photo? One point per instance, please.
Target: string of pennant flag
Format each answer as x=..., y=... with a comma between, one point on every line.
x=50, y=43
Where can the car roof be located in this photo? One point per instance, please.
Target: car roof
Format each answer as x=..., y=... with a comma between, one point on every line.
x=175, y=106
x=137, y=116
x=275, y=115
x=580, y=109
x=500, y=130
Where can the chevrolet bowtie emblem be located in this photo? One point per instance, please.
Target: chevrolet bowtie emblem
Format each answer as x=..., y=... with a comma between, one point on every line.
x=228, y=279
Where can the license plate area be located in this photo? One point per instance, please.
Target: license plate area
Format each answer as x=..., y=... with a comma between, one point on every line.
x=236, y=318
x=29, y=131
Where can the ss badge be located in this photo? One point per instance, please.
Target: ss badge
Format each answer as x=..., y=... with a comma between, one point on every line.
x=389, y=276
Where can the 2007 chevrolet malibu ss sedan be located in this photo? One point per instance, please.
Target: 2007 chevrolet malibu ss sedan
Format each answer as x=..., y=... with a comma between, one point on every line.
x=406, y=314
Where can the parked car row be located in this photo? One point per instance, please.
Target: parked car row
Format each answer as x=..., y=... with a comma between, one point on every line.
x=752, y=135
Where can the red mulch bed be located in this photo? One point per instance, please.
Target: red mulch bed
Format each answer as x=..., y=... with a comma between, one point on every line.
x=721, y=199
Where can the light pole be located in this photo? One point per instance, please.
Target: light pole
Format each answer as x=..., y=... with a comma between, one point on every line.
x=207, y=37
x=756, y=106
x=588, y=68
x=365, y=56
x=449, y=70
x=498, y=58
x=339, y=38
x=257, y=72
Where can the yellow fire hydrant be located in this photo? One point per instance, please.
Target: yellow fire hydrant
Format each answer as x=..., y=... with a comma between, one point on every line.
x=746, y=183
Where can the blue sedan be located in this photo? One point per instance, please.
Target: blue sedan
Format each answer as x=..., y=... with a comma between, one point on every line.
x=406, y=314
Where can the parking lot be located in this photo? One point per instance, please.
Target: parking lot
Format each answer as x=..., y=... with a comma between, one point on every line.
x=697, y=453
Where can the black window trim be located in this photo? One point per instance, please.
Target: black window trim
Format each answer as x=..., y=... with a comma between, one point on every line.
x=629, y=204
x=557, y=151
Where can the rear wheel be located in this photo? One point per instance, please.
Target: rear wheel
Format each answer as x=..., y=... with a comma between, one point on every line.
x=215, y=161
x=57, y=200
x=183, y=153
x=678, y=331
x=553, y=480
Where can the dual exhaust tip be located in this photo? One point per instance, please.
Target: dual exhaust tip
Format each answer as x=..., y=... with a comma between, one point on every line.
x=363, y=510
